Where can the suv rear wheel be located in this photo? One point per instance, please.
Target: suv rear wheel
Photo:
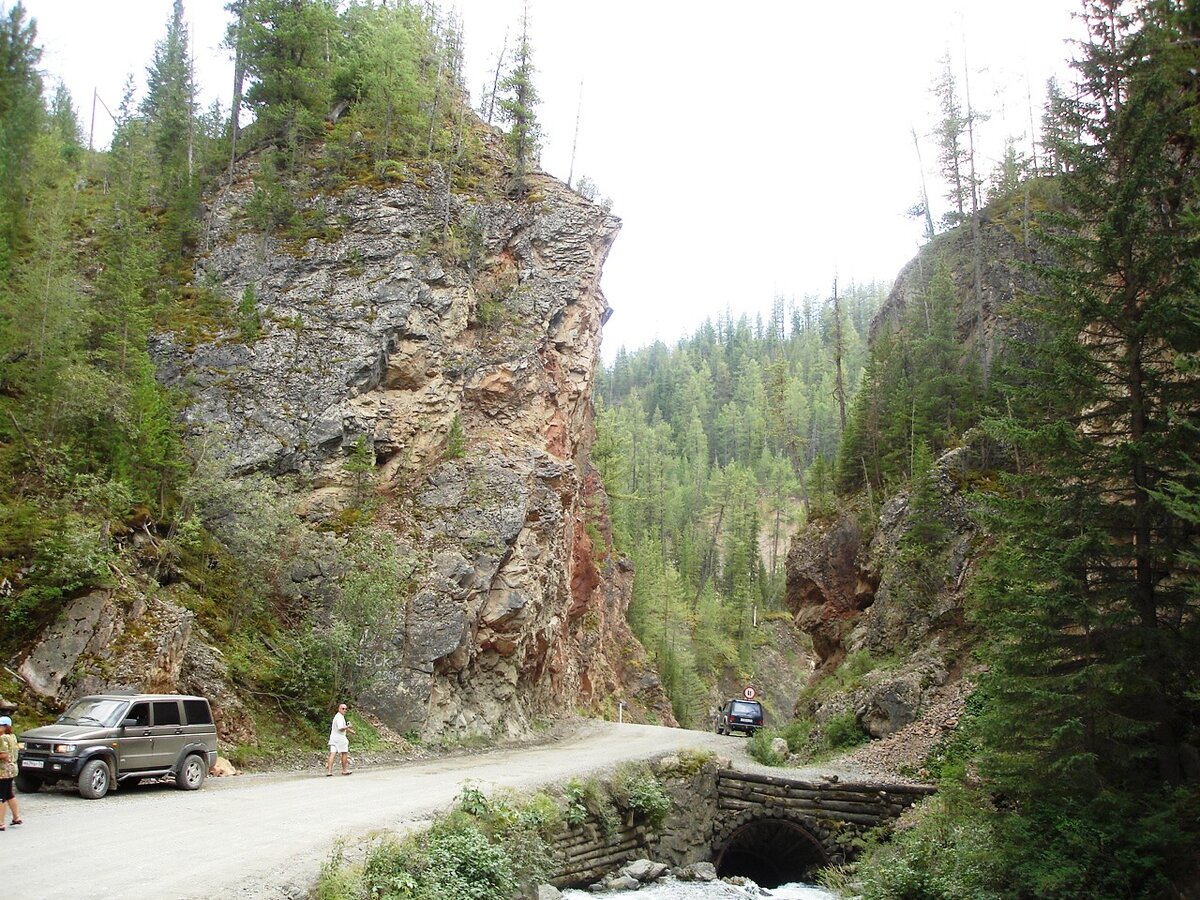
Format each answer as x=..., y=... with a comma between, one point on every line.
x=94, y=779
x=192, y=773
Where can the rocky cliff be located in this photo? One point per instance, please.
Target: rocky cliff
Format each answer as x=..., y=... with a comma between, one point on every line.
x=430, y=353
x=851, y=587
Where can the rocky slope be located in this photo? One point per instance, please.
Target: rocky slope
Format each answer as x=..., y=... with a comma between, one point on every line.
x=849, y=584
x=416, y=314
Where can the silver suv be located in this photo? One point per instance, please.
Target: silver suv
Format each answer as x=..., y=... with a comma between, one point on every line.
x=120, y=739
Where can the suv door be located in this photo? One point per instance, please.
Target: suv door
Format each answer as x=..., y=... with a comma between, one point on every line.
x=135, y=747
x=199, y=728
x=169, y=738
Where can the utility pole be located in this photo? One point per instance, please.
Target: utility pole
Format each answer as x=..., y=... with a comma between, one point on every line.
x=96, y=98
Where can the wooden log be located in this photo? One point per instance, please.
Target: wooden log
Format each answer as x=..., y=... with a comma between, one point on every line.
x=870, y=786
x=866, y=809
x=601, y=853
x=832, y=792
x=736, y=803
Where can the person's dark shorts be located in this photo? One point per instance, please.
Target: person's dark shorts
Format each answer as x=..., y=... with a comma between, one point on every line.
x=6, y=789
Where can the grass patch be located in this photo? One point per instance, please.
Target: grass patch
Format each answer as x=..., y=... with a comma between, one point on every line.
x=849, y=675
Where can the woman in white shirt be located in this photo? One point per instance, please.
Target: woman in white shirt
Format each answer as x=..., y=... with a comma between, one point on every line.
x=339, y=741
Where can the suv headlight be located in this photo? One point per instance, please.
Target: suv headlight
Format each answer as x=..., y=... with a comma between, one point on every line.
x=64, y=748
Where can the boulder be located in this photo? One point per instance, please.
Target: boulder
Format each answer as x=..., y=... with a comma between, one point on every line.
x=644, y=870
x=698, y=871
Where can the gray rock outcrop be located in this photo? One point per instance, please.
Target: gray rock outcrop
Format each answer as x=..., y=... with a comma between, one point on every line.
x=375, y=344
x=422, y=357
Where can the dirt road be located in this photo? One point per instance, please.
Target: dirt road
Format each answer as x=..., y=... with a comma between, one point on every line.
x=265, y=836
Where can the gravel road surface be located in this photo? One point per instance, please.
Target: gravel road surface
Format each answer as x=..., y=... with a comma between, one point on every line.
x=265, y=836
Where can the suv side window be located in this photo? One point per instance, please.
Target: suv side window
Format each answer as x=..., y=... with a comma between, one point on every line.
x=197, y=712
x=166, y=712
x=140, y=713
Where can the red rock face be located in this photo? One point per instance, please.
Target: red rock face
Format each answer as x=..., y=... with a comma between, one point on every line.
x=613, y=665
x=828, y=586
x=584, y=576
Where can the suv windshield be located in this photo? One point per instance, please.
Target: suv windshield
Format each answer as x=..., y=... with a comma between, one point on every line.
x=94, y=711
x=745, y=708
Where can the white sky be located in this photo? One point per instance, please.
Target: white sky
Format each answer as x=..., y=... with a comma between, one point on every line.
x=751, y=151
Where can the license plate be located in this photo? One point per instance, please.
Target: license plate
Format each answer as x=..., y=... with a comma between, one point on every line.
x=32, y=764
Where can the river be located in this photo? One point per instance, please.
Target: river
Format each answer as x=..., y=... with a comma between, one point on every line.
x=692, y=890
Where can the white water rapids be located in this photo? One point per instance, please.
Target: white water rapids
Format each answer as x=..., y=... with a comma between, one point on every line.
x=692, y=890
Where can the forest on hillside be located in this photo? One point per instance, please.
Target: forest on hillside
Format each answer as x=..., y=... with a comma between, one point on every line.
x=1075, y=769
x=713, y=452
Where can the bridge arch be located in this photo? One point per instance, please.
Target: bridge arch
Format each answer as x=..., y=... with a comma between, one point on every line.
x=772, y=847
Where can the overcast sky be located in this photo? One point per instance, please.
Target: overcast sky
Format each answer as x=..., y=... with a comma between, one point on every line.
x=751, y=150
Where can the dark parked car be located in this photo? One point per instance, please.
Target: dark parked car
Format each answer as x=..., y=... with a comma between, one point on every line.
x=740, y=715
x=121, y=738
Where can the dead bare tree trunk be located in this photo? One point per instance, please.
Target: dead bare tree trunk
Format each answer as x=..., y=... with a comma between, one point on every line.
x=496, y=79
x=929, y=232
x=239, y=77
x=575, y=139
x=839, y=351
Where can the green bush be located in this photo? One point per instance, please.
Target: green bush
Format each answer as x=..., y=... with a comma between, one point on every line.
x=456, y=441
x=843, y=731
x=1105, y=845
x=797, y=734
x=453, y=859
x=636, y=788
x=588, y=800
x=759, y=747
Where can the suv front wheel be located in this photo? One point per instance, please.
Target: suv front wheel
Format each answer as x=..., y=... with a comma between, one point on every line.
x=94, y=779
x=28, y=784
x=192, y=773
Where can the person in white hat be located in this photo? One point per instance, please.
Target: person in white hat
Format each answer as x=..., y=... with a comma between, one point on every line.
x=8, y=771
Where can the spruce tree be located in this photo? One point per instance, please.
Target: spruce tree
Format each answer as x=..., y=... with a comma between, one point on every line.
x=170, y=111
x=1089, y=601
x=21, y=115
x=518, y=107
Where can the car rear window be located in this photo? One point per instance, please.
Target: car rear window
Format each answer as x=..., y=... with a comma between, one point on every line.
x=745, y=708
x=197, y=712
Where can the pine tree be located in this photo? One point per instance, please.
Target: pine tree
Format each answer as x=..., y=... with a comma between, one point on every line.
x=950, y=136
x=288, y=50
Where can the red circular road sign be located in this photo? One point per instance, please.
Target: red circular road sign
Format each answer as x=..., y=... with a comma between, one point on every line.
x=749, y=693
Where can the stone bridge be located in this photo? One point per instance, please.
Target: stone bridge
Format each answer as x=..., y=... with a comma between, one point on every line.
x=768, y=828
x=771, y=829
